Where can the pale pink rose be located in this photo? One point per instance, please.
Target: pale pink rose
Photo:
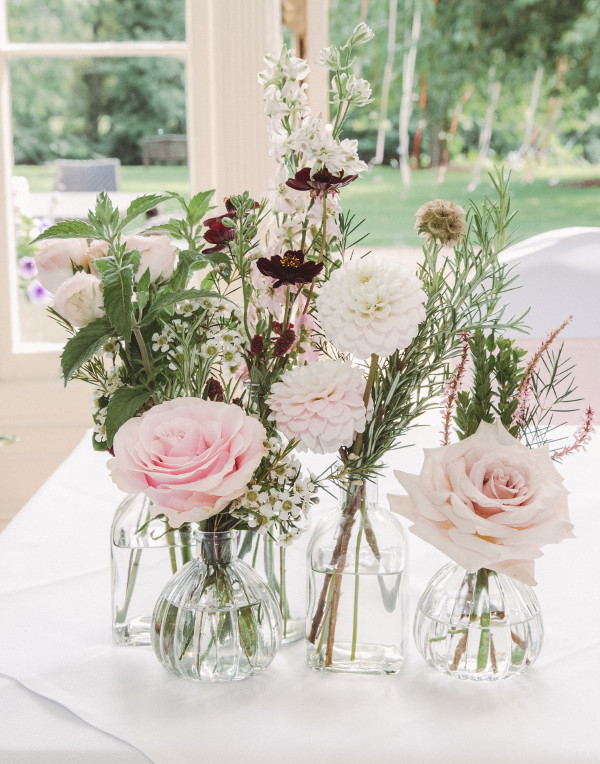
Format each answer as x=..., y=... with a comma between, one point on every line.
x=97, y=250
x=158, y=254
x=191, y=457
x=56, y=258
x=79, y=299
x=487, y=502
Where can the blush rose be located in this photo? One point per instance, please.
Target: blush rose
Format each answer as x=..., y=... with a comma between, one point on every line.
x=56, y=258
x=190, y=456
x=487, y=502
x=156, y=253
x=79, y=299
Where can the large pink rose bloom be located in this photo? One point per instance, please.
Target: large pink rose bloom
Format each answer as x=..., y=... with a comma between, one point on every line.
x=191, y=457
x=487, y=502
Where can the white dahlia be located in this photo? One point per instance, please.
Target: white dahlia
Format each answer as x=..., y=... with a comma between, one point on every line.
x=320, y=405
x=371, y=305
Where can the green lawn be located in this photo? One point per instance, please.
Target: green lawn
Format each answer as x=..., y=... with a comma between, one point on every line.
x=549, y=202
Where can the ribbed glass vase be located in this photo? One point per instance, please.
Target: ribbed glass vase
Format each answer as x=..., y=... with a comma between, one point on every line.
x=284, y=570
x=482, y=625
x=144, y=556
x=356, y=617
x=216, y=619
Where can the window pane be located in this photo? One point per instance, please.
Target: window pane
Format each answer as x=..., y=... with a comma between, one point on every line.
x=95, y=20
x=120, y=125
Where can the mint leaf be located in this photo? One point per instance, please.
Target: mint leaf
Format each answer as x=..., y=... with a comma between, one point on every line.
x=140, y=206
x=82, y=346
x=198, y=207
x=124, y=403
x=69, y=229
x=118, y=294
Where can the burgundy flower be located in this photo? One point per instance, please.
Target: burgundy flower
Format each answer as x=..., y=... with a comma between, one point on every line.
x=320, y=183
x=218, y=234
x=284, y=342
x=257, y=345
x=214, y=390
x=289, y=269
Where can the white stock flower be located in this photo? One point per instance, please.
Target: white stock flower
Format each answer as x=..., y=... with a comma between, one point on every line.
x=330, y=58
x=352, y=89
x=361, y=35
x=320, y=405
x=371, y=305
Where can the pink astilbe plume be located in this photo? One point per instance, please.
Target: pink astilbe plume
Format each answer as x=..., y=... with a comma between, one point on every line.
x=581, y=436
x=524, y=391
x=453, y=387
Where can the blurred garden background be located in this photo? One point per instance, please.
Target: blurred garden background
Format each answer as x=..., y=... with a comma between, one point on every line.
x=458, y=85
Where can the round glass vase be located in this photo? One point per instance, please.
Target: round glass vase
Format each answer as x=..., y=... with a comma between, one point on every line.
x=283, y=569
x=216, y=619
x=356, y=610
x=482, y=625
x=144, y=555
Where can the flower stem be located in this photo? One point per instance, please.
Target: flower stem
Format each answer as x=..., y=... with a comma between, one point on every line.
x=363, y=519
x=321, y=252
x=481, y=588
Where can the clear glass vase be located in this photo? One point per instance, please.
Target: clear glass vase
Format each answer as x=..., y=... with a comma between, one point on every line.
x=482, y=625
x=216, y=619
x=284, y=570
x=356, y=616
x=143, y=558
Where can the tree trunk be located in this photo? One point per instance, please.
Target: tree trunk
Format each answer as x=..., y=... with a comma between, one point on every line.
x=453, y=128
x=408, y=76
x=536, y=88
x=485, y=136
x=387, y=80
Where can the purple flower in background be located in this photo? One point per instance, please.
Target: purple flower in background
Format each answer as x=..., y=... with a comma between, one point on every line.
x=42, y=223
x=38, y=294
x=27, y=267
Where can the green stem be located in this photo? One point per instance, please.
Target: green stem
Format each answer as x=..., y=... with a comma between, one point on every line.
x=481, y=588
x=369, y=387
x=172, y=552
x=283, y=605
x=134, y=564
x=363, y=512
x=321, y=252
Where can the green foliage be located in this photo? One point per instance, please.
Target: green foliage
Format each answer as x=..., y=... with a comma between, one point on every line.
x=497, y=374
x=124, y=403
x=82, y=346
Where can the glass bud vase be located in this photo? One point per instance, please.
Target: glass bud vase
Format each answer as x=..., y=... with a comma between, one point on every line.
x=143, y=558
x=356, y=617
x=216, y=619
x=482, y=625
x=283, y=569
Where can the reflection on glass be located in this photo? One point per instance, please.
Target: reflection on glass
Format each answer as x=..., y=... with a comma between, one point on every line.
x=95, y=20
x=81, y=126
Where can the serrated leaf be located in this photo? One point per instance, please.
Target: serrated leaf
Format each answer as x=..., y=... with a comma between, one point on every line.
x=199, y=206
x=167, y=299
x=142, y=291
x=140, y=206
x=177, y=228
x=82, y=346
x=124, y=403
x=118, y=293
x=69, y=229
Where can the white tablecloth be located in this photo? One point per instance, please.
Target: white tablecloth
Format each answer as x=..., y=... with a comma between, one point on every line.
x=67, y=694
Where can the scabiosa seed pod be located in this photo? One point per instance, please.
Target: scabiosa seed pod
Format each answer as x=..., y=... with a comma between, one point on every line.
x=284, y=343
x=214, y=390
x=257, y=344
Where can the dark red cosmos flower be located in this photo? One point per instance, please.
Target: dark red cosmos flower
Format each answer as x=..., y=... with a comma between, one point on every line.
x=289, y=269
x=321, y=182
x=218, y=234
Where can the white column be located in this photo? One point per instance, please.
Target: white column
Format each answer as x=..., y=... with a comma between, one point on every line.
x=227, y=139
x=316, y=38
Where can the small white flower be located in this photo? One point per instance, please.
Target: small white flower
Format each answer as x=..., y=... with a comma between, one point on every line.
x=160, y=341
x=330, y=58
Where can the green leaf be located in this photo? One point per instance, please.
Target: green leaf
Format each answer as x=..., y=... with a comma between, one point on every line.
x=82, y=346
x=124, y=403
x=98, y=445
x=69, y=229
x=142, y=291
x=220, y=258
x=118, y=293
x=140, y=206
x=177, y=228
x=199, y=206
x=167, y=299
